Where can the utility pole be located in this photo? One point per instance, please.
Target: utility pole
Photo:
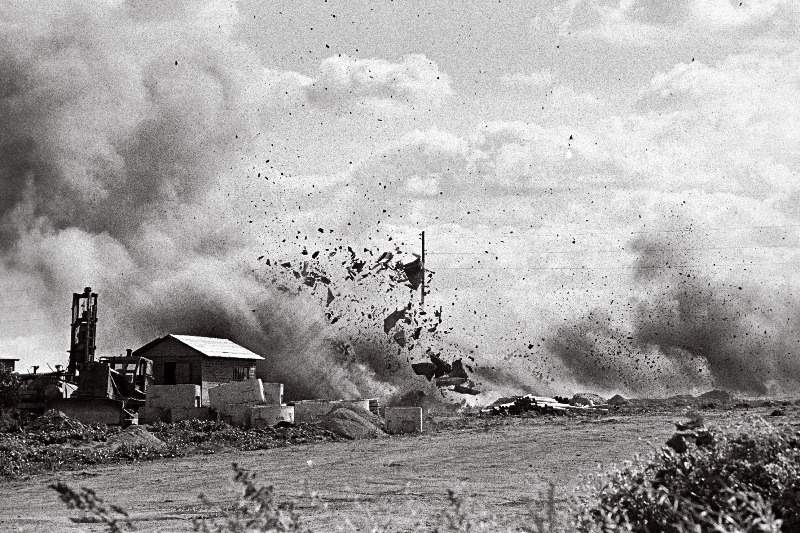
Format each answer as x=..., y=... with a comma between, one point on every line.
x=422, y=264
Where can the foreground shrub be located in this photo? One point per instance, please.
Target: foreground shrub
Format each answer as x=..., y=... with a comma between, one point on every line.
x=744, y=482
x=256, y=509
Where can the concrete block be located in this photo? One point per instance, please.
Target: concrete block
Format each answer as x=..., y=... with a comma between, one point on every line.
x=247, y=392
x=151, y=415
x=235, y=415
x=312, y=411
x=403, y=419
x=361, y=404
x=263, y=416
x=168, y=396
x=373, y=405
x=176, y=414
x=273, y=393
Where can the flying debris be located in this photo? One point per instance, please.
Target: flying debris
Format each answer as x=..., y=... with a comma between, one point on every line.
x=414, y=273
x=391, y=320
x=452, y=376
x=330, y=297
x=342, y=290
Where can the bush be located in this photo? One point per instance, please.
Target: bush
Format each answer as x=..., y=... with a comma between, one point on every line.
x=750, y=481
x=9, y=389
x=256, y=509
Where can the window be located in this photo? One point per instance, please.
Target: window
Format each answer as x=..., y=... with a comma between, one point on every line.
x=177, y=373
x=241, y=373
x=169, y=374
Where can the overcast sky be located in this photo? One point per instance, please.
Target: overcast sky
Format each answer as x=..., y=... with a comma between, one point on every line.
x=534, y=142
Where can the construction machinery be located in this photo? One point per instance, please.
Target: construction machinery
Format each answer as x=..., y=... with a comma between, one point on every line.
x=109, y=390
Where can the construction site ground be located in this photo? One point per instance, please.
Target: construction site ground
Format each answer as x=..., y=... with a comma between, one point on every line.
x=503, y=464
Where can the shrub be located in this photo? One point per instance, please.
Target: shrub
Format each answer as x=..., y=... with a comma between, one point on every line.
x=93, y=508
x=751, y=480
x=9, y=389
x=256, y=509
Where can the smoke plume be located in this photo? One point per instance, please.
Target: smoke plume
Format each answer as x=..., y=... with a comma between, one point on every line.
x=685, y=331
x=124, y=129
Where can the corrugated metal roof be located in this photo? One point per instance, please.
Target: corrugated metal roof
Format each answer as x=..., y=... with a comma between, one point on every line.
x=213, y=347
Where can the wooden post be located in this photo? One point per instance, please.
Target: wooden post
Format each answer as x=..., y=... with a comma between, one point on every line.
x=422, y=264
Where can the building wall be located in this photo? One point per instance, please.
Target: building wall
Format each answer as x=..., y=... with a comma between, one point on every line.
x=192, y=367
x=189, y=362
x=218, y=370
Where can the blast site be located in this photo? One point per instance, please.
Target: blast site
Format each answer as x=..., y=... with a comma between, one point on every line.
x=394, y=266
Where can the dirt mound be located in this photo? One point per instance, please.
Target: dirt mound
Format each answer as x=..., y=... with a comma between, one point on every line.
x=350, y=424
x=135, y=436
x=617, y=399
x=586, y=398
x=716, y=395
x=368, y=415
x=55, y=421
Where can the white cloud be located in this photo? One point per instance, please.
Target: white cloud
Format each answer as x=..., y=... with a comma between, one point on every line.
x=654, y=23
x=414, y=81
x=536, y=79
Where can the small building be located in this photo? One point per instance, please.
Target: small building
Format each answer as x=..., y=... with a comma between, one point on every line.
x=204, y=361
x=8, y=365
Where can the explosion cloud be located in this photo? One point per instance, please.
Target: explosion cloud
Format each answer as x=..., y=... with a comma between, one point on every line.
x=604, y=218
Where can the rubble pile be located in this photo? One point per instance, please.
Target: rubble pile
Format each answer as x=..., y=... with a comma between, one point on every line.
x=54, y=427
x=586, y=398
x=538, y=404
x=135, y=436
x=56, y=421
x=617, y=399
x=716, y=395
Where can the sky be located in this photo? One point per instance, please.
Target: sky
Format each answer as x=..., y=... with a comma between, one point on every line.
x=608, y=190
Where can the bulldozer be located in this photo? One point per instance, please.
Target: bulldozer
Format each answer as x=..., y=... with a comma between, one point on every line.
x=109, y=390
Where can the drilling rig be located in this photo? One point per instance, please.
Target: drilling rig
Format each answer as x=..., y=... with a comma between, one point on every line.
x=109, y=390
x=84, y=331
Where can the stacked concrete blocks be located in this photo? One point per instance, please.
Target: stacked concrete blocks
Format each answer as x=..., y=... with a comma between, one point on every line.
x=167, y=396
x=233, y=400
x=403, y=419
x=163, y=399
x=273, y=393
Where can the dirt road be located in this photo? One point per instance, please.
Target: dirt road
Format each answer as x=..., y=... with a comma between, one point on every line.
x=397, y=481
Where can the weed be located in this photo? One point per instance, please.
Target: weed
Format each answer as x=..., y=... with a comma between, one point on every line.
x=93, y=509
x=257, y=509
